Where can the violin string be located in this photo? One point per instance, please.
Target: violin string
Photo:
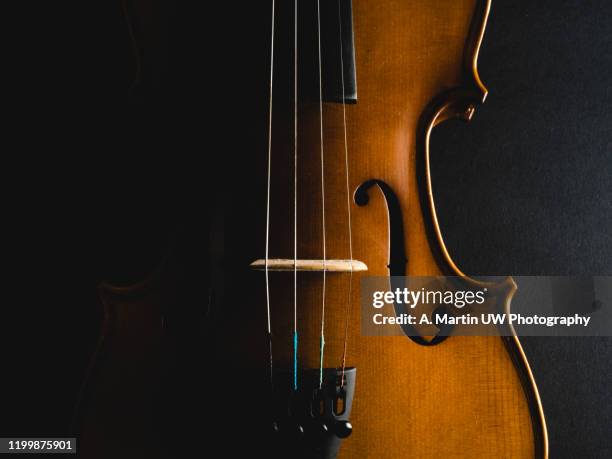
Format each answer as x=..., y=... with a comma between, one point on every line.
x=295, y=168
x=269, y=324
x=322, y=338
x=348, y=199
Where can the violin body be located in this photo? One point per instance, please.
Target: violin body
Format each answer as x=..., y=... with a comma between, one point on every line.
x=464, y=397
x=120, y=410
x=474, y=396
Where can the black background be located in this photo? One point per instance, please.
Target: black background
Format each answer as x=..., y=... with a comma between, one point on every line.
x=96, y=179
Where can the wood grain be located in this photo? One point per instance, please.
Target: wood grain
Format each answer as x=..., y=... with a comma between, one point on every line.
x=468, y=396
x=465, y=397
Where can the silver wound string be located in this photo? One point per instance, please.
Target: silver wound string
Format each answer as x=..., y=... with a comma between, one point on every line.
x=295, y=168
x=348, y=196
x=268, y=199
x=322, y=340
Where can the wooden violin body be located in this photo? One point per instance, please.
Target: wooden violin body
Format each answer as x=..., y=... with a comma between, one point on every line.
x=470, y=397
x=119, y=413
x=465, y=397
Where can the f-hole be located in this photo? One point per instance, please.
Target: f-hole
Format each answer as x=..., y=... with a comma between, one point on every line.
x=397, y=251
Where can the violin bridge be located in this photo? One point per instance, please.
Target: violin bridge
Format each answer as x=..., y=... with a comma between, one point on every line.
x=282, y=264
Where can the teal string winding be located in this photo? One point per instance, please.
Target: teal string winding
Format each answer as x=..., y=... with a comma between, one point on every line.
x=295, y=360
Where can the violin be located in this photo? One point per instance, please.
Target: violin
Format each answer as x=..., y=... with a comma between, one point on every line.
x=341, y=190
x=335, y=188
